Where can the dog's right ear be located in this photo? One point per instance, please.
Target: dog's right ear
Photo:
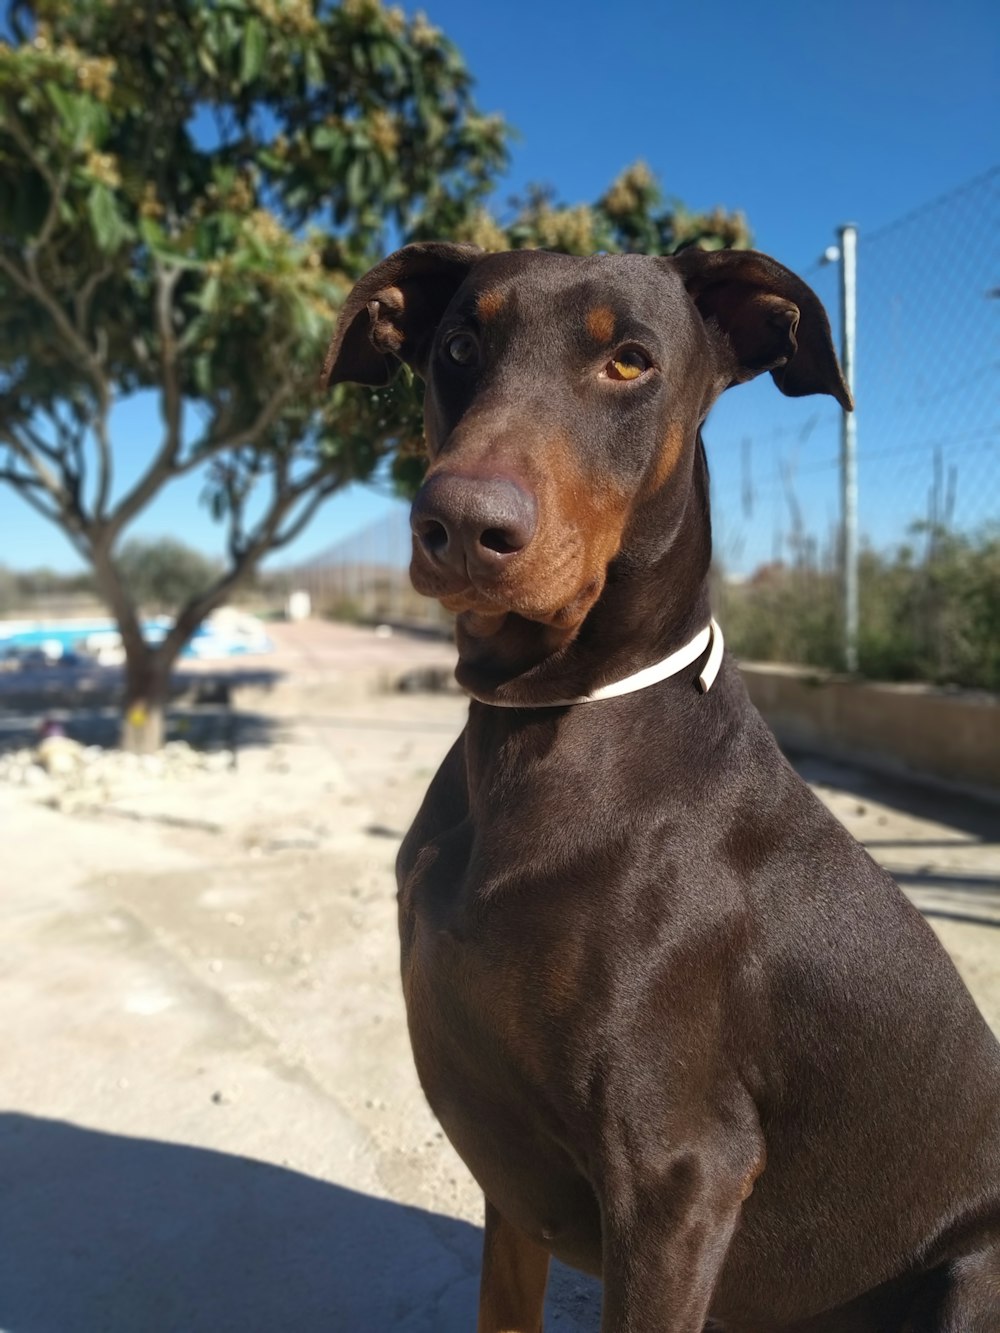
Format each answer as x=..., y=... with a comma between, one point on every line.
x=392, y=312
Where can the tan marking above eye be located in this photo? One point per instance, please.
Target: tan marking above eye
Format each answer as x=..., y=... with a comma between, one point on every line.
x=489, y=304
x=601, y=323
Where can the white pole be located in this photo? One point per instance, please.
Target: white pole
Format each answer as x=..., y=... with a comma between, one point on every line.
x=849, y=442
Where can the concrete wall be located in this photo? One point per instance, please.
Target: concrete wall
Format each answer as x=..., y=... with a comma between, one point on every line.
x=909, y=729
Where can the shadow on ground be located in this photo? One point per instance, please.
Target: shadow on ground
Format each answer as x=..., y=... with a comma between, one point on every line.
x=111, y=1234
x=210, y=726
x=954, y=892
x=61, y=686
x=974, y=816
x=105, y=1234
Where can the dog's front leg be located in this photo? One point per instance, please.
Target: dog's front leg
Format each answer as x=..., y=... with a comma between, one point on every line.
x=515, y=1271
x=662, y=1256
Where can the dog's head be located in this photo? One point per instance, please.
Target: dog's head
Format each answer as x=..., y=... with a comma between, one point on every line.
x=562, y=395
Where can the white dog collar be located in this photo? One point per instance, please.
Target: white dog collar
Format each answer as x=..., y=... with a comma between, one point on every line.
x=710, y=637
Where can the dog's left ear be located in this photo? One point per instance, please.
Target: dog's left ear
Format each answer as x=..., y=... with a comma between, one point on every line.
x=392, y=312
x=770, y=318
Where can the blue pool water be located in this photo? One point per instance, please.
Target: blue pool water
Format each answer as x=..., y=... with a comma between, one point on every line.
x=70, y=633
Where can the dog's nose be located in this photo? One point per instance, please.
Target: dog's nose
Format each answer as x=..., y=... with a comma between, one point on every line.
x=473, y=524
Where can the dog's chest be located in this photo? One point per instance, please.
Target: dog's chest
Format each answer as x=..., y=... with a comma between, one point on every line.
x=489, y=1028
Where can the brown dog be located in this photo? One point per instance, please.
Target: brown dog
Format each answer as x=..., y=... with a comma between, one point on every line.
x=683, y=1030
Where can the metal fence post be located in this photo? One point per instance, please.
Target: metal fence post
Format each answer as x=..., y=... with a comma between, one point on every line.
x=848, y=235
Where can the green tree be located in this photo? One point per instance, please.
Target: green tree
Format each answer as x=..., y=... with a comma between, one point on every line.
x=187, y=191
x=163, y=574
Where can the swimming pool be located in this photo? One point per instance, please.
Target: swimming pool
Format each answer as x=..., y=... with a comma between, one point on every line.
x=211, y=639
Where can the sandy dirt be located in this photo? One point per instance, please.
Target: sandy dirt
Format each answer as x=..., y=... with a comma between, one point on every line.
x=211, y=1121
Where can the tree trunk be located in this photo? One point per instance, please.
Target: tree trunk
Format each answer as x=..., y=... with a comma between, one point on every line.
x=147, y=670
x=147, y=690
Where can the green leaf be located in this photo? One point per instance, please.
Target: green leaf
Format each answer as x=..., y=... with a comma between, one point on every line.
x=354, y=183
x=314, y=68
x=64, y=103
x=203, y=373
x=387, y=57
x=327, y=136
x=208, y=297
x=207, y=62
x=152, y=233
x=80, y=116
x=254, y=51
x=110, y=230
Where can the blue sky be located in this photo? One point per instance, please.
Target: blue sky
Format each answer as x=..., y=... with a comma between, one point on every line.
x=803, y=115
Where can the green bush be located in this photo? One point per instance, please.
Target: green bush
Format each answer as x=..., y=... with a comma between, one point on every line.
x=162, y=574
x=929, y=614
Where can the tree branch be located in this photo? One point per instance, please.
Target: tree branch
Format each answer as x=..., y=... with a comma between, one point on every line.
x=71, y=440
x=194, y=612
x=23, y=139
x=211, y=445
x=43, y=447
x=249, y=435
x=27, y=486
x=306, y=514
x=164, y=463
x=30, y=490
x=236, y=498
x=32, y=284
x=43, y=477
x=244, y=561
x=52, y=214
x=83, y=298
x=166, y=281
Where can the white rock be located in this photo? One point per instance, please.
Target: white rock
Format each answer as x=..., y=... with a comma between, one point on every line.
x=59, y=755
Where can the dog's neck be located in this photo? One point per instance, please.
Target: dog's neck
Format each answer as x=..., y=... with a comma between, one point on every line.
x=654, y=601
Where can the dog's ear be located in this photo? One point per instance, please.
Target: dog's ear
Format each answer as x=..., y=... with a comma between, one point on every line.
x=770, y=318
x=392, y=312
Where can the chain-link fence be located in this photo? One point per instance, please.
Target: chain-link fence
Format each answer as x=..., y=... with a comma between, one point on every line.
x=928, y=422
x=365, y=578
x=928, y=419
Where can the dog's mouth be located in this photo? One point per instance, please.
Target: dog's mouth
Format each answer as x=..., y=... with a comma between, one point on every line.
x=559, y=598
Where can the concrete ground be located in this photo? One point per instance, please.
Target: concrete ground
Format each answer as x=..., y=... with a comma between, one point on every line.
x=211, y=1122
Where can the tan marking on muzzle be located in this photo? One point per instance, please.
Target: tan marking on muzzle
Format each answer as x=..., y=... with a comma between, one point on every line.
x=559, y=575
x=580, y=511
x=601, y=323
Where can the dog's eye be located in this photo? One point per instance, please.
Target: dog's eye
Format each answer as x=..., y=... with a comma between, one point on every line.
x=461, y=348
x=628, y=364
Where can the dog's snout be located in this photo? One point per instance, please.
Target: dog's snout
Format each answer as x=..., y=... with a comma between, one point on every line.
x=471, y=524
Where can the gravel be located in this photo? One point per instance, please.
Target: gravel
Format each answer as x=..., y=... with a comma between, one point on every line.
x=66, y=774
